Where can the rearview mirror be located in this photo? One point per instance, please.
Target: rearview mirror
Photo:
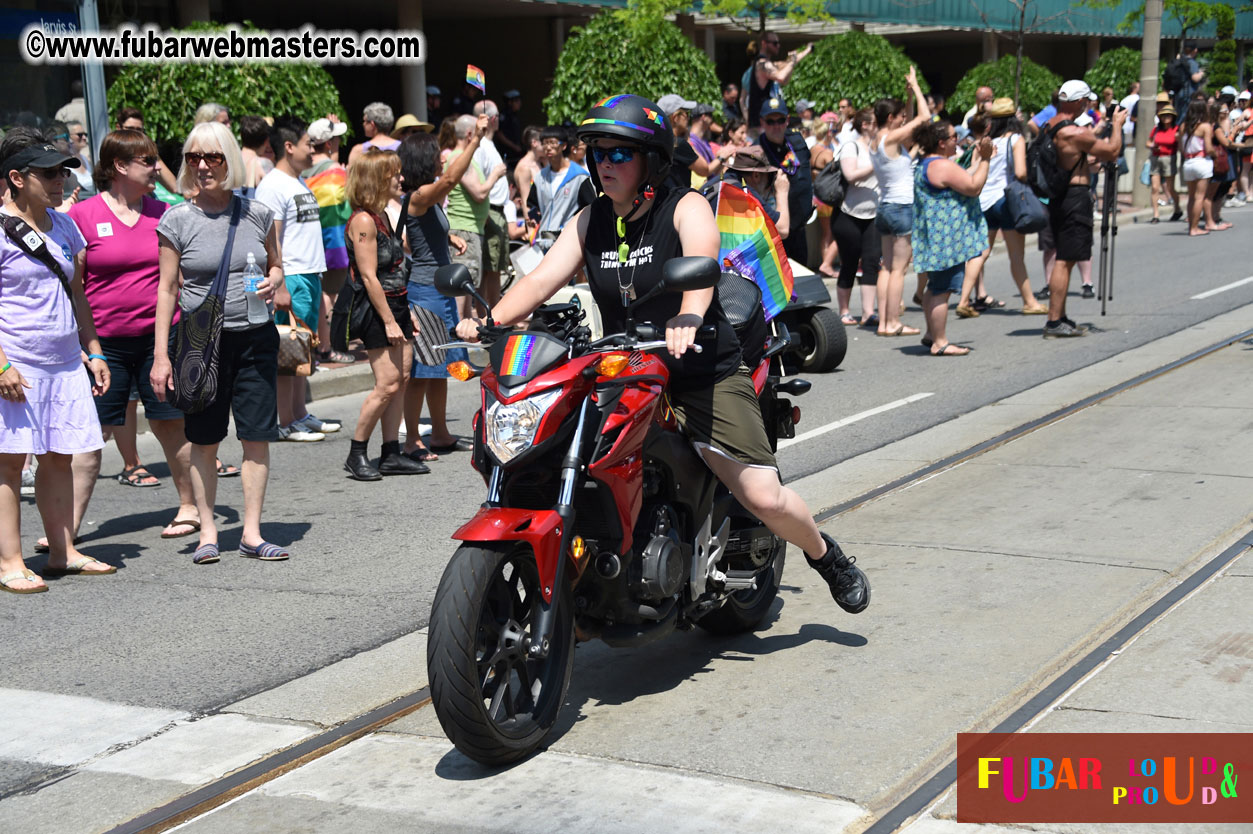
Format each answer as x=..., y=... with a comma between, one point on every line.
x=454, y=280
x=690, y=273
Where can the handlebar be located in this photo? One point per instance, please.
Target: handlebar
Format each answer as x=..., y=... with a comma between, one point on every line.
x=599, y=344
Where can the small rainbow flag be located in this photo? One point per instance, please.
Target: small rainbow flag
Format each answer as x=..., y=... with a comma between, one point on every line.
x=752, y=247
x=475, y=78
x=517, y=359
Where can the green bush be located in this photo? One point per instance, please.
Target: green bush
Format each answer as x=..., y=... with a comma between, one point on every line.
x=1037, y=86
x=1222, y=59
x=860, y=67
x=615, y=53
x=1116, y=69
x=169, y=93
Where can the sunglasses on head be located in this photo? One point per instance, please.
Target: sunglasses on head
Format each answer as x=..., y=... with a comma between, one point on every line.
x=777, y=120
x=615, y=156
x=215, y=160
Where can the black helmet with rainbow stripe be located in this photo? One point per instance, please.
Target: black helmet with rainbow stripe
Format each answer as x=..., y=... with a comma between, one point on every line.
x=638, y=121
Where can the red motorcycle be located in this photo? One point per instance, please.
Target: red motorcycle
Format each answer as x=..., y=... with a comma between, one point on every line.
x=600, y=521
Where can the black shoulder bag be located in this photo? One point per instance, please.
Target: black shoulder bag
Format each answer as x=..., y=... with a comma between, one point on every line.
x=198, y=341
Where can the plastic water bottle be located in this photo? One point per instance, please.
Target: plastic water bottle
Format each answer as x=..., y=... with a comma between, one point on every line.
x=258, y=309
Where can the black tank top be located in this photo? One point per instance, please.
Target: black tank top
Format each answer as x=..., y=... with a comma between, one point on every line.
x=653, y=240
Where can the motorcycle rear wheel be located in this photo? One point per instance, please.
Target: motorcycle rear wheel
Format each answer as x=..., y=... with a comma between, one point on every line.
x=744, y=610
x=495, y=703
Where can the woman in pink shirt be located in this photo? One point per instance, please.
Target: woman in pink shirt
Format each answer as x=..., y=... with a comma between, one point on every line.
x=120, y=278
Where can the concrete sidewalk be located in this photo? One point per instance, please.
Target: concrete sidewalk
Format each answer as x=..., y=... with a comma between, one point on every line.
x=989, y=578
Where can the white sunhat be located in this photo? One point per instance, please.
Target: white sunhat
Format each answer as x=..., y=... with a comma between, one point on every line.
x=322, y=130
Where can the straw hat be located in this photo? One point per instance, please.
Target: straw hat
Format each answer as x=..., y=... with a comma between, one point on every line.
x=1001, y=107
x=407, y=121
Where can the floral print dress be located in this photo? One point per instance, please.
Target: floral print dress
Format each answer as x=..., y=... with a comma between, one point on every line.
x=949, y=228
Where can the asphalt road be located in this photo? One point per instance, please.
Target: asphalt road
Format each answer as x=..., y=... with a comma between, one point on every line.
x=367, y=557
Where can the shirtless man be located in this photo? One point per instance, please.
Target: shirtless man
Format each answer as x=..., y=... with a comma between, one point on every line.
x=1070, y=215
x=766, y=73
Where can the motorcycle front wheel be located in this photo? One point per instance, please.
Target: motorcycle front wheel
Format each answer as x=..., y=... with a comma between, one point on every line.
x=494, y=701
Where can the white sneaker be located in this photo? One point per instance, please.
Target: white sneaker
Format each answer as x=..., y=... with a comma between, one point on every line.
x=298, y=435
x=28, y=482
x=315, y=425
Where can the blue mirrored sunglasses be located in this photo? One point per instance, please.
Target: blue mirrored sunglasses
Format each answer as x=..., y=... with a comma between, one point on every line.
x=617, y=156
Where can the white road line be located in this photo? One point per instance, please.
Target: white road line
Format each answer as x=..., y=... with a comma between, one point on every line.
x=838, y=424
x=1224, y=288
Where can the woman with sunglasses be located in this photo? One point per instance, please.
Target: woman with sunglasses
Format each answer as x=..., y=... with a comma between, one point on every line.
x=193, y=238
x=45, y=330
x=120, y=277
x=622, y=240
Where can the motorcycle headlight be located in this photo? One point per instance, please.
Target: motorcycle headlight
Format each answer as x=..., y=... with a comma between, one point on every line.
x=511, y=427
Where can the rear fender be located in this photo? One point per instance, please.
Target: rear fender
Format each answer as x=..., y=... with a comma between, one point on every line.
x=540, y=529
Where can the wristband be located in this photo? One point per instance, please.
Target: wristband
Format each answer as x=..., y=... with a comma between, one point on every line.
x=96, y=356
x=4, y=369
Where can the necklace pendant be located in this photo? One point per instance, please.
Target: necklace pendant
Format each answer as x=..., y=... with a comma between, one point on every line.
x=628, y=295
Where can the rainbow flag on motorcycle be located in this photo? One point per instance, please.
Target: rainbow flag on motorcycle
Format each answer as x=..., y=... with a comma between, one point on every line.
x=752, y=247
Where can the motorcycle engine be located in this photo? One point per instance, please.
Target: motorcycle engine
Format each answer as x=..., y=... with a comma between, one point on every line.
x=661, y=564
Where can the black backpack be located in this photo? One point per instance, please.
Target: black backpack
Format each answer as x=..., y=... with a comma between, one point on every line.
x=1044, y=170
x=1176, y=76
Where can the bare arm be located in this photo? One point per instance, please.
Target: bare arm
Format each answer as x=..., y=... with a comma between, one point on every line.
x=848, y=164
x=698, y=235
x=436, y=192
x=563, y=260
x=87, y=327
x=161, y=377
x=522, y=176
x=944, y=173
x=274, y=285
x=782, y=185
x=903, y=135
x=1020, y=159
x=782, y=71
x=479, y=189
x=366, y=254
x=1104, y=150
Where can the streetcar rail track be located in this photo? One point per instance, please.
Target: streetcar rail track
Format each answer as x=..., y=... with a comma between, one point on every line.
x=214, y=794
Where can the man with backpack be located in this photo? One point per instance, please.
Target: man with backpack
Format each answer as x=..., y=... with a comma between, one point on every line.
x=1183, y=77
x=1059, y=170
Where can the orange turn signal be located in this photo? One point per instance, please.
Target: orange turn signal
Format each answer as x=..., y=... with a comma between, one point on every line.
x=462, y=370
x=612, y=364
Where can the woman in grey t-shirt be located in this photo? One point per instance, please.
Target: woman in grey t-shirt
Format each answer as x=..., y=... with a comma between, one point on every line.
x=193, y=238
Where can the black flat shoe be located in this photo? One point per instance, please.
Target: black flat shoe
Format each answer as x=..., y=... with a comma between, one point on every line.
x=399, y=464
x=360, y=468
x=461, y=444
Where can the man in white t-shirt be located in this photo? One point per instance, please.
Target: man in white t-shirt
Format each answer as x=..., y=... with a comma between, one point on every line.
x=299, y=227
x=1129, y=104
x=495, y=234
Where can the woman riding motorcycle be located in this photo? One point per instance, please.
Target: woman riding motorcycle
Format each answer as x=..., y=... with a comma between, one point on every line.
x=622, y=240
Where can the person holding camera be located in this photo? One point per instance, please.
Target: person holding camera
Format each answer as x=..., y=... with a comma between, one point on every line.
x=1070, y=213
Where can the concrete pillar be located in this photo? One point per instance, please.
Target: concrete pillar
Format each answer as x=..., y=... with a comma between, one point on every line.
x=990, y=47
x=559, y=38
x=412, y=76
x=710, y=44
x=191, y=11
x=1094, y=50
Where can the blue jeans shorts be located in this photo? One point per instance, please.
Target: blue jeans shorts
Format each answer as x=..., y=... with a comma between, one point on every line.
x=997, y=217
x=946, y=280
x=895, y=219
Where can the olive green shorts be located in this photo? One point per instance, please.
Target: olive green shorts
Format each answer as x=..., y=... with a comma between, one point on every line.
x=726, y=419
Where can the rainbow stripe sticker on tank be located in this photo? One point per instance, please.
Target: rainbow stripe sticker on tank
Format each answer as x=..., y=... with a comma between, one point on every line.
x=517, y=361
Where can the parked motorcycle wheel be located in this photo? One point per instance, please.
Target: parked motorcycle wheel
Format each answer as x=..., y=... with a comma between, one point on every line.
x=822, y=341
x=495, y=703
x=744, y=610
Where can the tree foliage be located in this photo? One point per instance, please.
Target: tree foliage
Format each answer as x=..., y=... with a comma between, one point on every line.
x=855, y=65
x=1037, y=86
x=621, y=52
x=1116, y=69
x=169, y=93
x=751, y=14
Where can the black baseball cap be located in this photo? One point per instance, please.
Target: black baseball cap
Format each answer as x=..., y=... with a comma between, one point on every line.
x=39, y=156
x=772, y=106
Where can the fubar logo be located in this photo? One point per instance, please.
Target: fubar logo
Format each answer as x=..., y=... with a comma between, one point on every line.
x=1103, y=777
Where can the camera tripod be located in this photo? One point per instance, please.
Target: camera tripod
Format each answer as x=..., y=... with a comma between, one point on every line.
x=1109, y=234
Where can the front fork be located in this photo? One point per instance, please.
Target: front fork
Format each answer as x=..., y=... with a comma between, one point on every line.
x=571, y=467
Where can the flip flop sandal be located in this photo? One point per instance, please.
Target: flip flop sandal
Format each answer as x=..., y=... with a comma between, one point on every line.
x=945, y=351
x=422, y=455
x=135, y=476
x=848, y=320
x=194, y=524
x=43, y=548
x=75, y=568
x=206, y=554
x=227, y=470
x=265, y=551
x=987, y=302
x=871, y=321
x=28, y=575
x=461, y=444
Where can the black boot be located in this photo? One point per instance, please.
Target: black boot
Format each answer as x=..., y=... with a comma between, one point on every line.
x=358, y=464
x=392, y=462
x=849, y=586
